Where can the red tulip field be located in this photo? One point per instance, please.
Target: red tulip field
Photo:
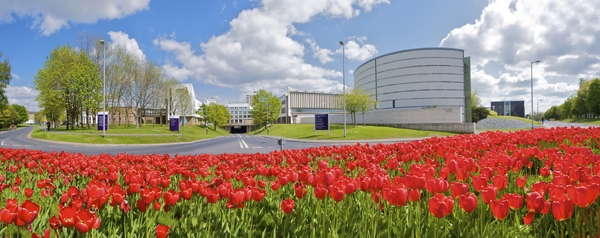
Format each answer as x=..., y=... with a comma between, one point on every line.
x=537, y=183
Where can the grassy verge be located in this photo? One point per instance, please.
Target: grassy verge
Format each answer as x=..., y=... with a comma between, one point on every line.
x=306, y=131
x=146, y=134
x=584, y=120
x=516, y=118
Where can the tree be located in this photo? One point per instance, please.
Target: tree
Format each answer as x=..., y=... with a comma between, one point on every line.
x=356, y=101
x=218, y=115
x=38, y=116
x=5, y=78
x=203, y=112
x=23, y=114
x=592, y=101
x=183, y=102
x=579, y=107
x=266, y=107
x=475, y=99
x=68, y=81
x=8, y=116
x=564, y=110
x=552, y=113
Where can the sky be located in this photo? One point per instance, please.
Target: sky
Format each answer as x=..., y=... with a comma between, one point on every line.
x=230, y=48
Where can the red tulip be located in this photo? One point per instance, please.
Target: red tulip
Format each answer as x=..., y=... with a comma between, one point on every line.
x=300, y=190
x=468, y=202
x=440, y=205
x=438, y=185
x=459, y=189
x=212, y=196
x=171, y=197
x=186, y=194
x=67, y=216
x=85, y=221
x=337, y=193
x=28, y=211
x=521, y=182
x=515, y=201
x=562, y=208
x=535, y=202
x=320, y=192
x=500, y=181
x=583, y=195
x=528, y=218
x=414, y=195
x=54, y=222
x=546, y=208
x=489, y=194
x=545, y=171
x=8, y=215
x=287, y=205
x=500, y=208
x=28, y=192
x=162, y=231
x=396, y=196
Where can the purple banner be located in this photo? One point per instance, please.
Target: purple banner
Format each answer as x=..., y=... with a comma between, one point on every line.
x=174, y=124
x=102, y=120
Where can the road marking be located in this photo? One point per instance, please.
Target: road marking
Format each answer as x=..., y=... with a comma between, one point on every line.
x=242, y=142
x=2, y=142
x=257, y=147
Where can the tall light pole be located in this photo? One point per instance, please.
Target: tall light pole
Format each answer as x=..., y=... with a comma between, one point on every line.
x=104, y=114
x=532, y=62
x=538, y=105
x=344, y=80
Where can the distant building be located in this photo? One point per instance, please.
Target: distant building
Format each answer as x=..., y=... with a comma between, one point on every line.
x=297, y=104
x=241, y=119
x=249, y=98
x=509, y=108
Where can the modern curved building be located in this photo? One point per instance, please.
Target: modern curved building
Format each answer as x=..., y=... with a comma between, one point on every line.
x=417, y=79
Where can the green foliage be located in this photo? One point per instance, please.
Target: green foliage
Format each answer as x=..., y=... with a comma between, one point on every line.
x=593, y=97
x=492, y=113
x=23, y=114
x=479, y=113
x=266, y=107
x=5, y=78
x=475, y=99
x=356, y=101
x=8, y=116
x=68, y=82
x=552, y=113
x=218, y=115
x=564, y=110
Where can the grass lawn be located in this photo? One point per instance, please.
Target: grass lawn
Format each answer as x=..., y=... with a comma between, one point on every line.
x=516, y=118
x=584, y=120
x=306, y=131
x=146, y=134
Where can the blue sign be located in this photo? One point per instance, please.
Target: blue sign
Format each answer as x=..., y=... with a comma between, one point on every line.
x=174, y=124
x=321, y=121
x=102, y=121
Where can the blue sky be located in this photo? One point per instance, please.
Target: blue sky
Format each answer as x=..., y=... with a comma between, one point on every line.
x=227, y=49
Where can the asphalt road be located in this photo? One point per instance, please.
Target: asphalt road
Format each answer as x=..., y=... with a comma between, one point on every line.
x=236, y=143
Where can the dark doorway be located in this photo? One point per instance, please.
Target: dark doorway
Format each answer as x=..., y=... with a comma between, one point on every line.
x=238, y=129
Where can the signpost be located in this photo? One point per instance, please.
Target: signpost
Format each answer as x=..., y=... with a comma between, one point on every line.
x=322, y=123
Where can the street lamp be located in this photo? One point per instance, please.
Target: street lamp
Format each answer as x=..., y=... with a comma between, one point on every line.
x=538, y=105
x=532, y=62
x=344, y=80
x=104, y=114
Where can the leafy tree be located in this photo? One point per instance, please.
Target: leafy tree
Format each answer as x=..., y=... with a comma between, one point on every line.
x=8, y=116
x=592, y=101
x=356, y=101
x=579, y=108
x=68, y=81
x=564, y=110
x=23, y=113
x=183, y=101
x=38, y=117
x=5, y=78
x=203, y=112
x=475, y=99
x=218, y=115
x=552, y=113
x=266, y=107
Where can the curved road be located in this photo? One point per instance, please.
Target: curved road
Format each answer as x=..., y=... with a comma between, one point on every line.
x=237, y=143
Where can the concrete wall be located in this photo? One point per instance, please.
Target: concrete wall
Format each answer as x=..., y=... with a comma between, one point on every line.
x=436, y=119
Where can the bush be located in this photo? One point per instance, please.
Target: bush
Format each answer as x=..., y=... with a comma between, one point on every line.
x=492, y=113
x=479, y=113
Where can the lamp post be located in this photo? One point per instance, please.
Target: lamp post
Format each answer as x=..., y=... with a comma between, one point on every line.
x=104, y=114
x=344, y=80
x=532, y=62
x=538, y=105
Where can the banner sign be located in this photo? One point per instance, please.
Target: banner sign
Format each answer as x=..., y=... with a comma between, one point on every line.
x=174, y=123
x=102, y=120
x=321, y=121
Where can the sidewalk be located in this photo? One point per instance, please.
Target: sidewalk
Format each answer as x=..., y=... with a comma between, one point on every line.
x=389, y=140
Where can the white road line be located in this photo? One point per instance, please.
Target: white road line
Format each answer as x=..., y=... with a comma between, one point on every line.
x=2, y=142
x=242, y=142
x=257, y=147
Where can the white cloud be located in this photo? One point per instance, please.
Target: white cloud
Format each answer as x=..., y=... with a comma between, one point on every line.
x=358, y=51
x=564, y=35
x=130, y=44
x=22, y=95
x=319, y=53
x=258, y=51
x=15, y=76
x=52, y=15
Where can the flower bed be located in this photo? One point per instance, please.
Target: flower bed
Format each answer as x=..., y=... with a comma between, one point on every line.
x=538, y=183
